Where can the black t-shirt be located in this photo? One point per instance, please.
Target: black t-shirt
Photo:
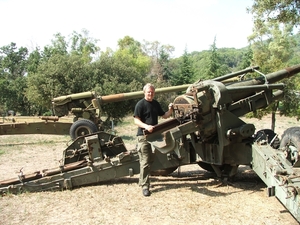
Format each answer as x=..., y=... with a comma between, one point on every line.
x=148, y=112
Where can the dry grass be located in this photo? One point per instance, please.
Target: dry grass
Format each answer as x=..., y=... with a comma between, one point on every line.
x=187, y=196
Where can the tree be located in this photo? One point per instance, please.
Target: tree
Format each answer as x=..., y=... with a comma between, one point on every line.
x=59, y=75
x=60, y=69
x=163, y=72
x=59, y=47
x=247, y=58
x=82, y=44
x=282, y=11
x=160, y=56
x=214, y=66
x=34, y=60
x=186, y=72
x=119, y=72
x=273, y=43
x=13, y=78
x=133, y=46
x=13, y=61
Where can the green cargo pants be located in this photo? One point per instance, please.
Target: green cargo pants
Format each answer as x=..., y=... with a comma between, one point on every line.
x=146, y=157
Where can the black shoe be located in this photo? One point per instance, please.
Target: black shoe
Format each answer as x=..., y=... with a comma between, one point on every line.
x=146, y=192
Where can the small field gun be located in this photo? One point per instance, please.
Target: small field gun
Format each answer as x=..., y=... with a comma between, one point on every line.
x=85, y=109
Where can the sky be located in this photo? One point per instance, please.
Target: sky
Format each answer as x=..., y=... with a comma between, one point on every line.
x=184, y=24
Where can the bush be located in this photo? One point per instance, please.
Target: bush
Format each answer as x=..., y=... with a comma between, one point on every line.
x=48, y=113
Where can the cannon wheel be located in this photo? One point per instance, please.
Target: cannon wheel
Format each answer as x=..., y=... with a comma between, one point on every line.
x=291, y=137
x=163, y=172
x=268, y=135
x=82, y=127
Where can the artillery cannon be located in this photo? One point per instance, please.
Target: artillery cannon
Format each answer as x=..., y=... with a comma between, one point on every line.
x=86, y=108
x=206, y=130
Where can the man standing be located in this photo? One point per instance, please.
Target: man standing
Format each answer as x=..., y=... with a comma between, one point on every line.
x=146, y=114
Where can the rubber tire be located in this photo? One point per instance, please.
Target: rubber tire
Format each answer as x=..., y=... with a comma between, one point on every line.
x=82, y=127
x=291, y=136
x=269, y=134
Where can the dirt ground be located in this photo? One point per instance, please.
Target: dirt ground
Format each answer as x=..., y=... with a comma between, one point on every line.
x=189, y=195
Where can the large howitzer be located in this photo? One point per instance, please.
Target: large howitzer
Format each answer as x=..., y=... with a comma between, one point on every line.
x=206, y=130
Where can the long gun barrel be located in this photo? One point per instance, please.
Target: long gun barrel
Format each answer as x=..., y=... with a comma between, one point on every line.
x=235, y=74
x=90, y=101
x=271, y=77
x=61, y=100
x=139, y=94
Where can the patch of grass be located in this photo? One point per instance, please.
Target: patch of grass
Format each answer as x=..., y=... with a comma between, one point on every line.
x=125, y=123
x=1, y=152
x=18, y=140
x=291, y=123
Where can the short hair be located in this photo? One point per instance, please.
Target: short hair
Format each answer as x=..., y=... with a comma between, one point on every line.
x=148, y=85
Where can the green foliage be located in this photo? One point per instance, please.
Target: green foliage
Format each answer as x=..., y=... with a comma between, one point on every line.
x=59, y=46
x=66, y=66
x=119, y=72
x=283, y=11
x=163, y=60
x=273, y=44
x=160, y=70
x=17, y=100
x=133, y=46
x=13, y=61
x=213, y=62
x=186, y=73
x=216, y=65
x=83, y=45
x=247, y=58
x=3, y=92
x=60, y=70
x=230, y=59
x=33, y=61
x=48, y=113
x=273, y=53
x=199, y=62
x=60, y=75
x=13, y=82
x=290, y=105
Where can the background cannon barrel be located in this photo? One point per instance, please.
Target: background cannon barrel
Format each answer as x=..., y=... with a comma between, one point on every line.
x=61, y=100
x=270, y=78
x=140, y=94
x=231, y=75
x=68, y=98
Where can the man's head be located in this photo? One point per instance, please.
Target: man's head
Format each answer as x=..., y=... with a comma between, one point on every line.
x=149, y=92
